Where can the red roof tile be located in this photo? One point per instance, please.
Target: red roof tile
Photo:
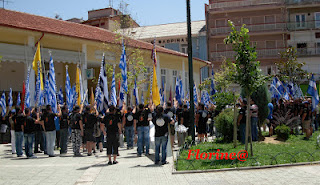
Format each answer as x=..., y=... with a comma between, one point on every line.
x=48, y=25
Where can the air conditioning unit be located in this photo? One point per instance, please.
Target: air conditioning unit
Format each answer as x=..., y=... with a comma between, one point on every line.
x=90, y=73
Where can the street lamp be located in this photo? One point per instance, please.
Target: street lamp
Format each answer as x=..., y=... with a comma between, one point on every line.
x=191, y=83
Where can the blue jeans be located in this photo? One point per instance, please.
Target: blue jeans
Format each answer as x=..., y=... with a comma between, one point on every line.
x=163, y=140
x=43, y=145
x=143, y=139
x=51, y=138
x=129, y=136
x=28, y=143
x=254, y=128
x=242, y=129
x=63, y=140
x=19, y=141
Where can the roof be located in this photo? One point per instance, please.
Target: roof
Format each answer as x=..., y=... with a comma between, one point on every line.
x=166, y=30
x=31, y=22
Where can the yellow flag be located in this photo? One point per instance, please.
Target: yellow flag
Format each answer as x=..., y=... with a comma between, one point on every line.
x=78, y=85
x=92, y=97
x=36, y=61
x=155, y=89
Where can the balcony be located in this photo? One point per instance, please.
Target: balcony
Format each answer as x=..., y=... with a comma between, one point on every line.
x=296, y=26
x=227, y=5
x=309, y=51
x=301, y=2
x=261, y=53
x=252, y=28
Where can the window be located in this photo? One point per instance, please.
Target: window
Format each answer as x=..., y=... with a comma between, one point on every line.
x=301, y=21
x=317, y=19
x=317, y=35
x=302, y=48
x=163, y=77
x=288, y=36
x=269, y=19
x=271, y=44
x=184, y=48
x=174, y=77
x=246, y=20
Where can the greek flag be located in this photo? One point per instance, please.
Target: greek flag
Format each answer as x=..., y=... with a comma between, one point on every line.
x=312, y=90
x=136, y=92
x=103, y=84
x=213, y=90
x=205, y=99
x=60, y=96
x=27, y=98
x=10, y=100
x=113, y=90
x=290, y=88
x=297, y=92
x=38, y=88
x=74, y=96
x=52, y=86
x=178, y=96
x=68, y=89
x=3, y=104
x=18, y=100
x=124, y=84
x=142, y=99
x=195, y=95
x=98, y=98
x=274, y=90
x=46, y=91
x=181, y=89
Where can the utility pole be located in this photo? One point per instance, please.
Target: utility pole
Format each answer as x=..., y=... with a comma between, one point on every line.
x=5, y=1
x=191, y=82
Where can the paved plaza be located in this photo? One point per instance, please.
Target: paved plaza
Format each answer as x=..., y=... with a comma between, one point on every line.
x=134, y=170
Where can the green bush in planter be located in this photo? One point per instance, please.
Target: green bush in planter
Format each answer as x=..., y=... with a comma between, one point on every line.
x=224, y=124
x=283, y=132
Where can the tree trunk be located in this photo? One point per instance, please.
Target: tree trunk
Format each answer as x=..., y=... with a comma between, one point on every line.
x=234, y=124
x=250, y=135
x=247, y=122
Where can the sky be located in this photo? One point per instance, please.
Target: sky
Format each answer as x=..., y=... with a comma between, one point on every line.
x=145, y=12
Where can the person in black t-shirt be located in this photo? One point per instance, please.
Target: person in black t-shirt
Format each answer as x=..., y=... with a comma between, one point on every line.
x=76, y=130
x=48, y=119
x=201, y=121
x=89, y=120
x=29, y=129
x=142, y=117
x=127, y=123
x=171, y=112
x=64, y=125
x=19, y=120
x=241, y=122
x=161, y=122
x=113, y=128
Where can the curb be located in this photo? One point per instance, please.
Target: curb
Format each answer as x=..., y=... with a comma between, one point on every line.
x=243, y=168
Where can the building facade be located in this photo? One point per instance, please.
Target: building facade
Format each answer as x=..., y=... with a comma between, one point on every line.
x=72, y=44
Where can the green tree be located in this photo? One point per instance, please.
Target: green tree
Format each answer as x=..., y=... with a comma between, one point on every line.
x=247, y=69
x=221, y=77
x=289, y=69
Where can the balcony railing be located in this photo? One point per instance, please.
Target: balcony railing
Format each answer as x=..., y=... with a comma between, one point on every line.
x=251, y=27
x=294, y=26
x=261, y=53
x=309, y=51
x=295, y=2
x=244, y=3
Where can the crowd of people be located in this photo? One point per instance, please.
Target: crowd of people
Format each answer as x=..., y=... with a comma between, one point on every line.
x=42, y=130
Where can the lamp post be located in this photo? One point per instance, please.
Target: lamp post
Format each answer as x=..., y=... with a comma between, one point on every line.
x=191, y=83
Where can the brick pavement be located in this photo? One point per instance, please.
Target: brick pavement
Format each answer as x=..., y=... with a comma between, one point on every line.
x=134, y=170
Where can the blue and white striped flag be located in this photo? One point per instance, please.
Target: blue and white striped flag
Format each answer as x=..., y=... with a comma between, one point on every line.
x=205, y=99
x=297, y=92
x=38, y=88
x=98, y=98
x=290, y=88
x=181, y=90
x=103, y=84
x=68, y=89
x=60, y=96
x=10, y=99
x=136, y=92
x=46, y=92
x=195, y=95
x=3, y=104
x=312, y=90
x=177, y=95
x=27, y=98
x=274, y=90
x=74, y=96
x=124, y=84
x=113, y=89
x=52, y=86
x=213, y=90
x=18, y=100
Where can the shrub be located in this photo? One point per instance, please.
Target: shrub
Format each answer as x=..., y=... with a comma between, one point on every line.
x=282, y=132
x=224, y=124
